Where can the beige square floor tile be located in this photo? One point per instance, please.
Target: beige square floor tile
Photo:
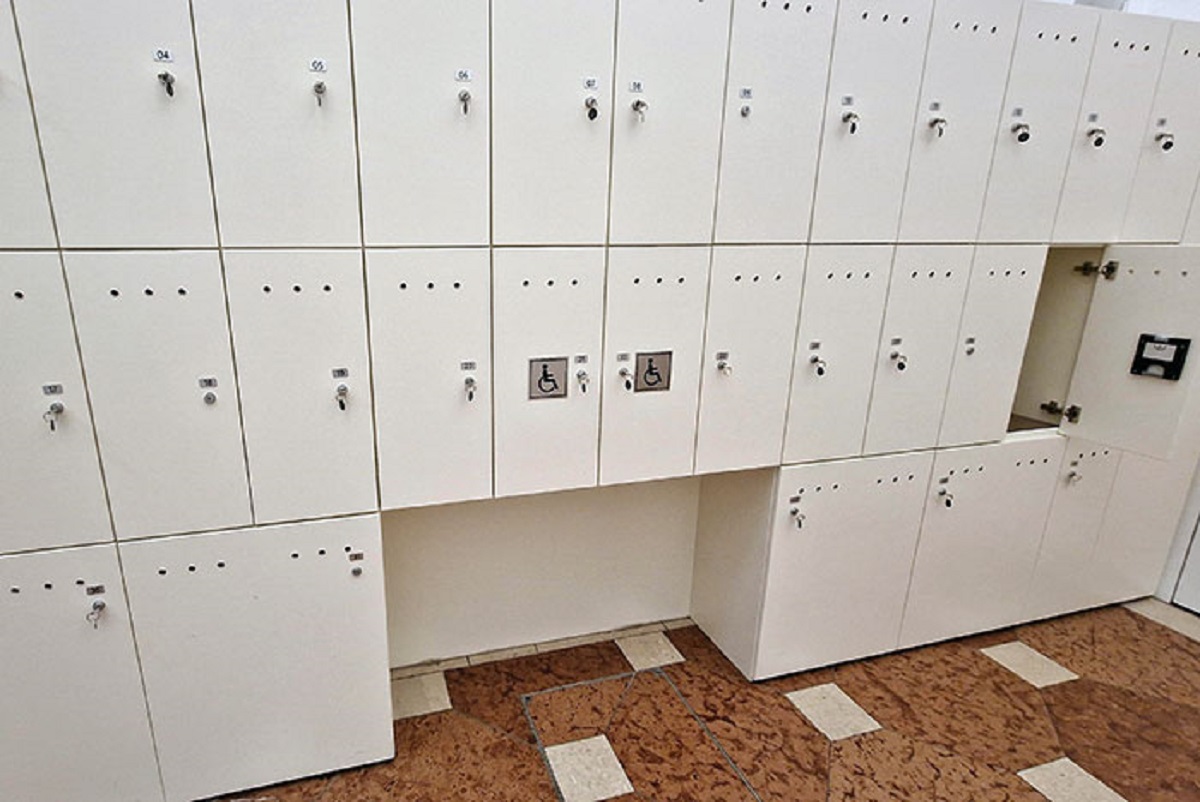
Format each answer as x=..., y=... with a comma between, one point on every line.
x=1064, y=781
x=639, y=629
x=419, y=695
x=649, y=651
x=1029, y=664
x=678, y=623
x=833, y=712
x=1168, y=615
x=588, y=770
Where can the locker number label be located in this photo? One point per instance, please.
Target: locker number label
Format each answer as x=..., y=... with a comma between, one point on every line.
x=208, y=382
x=95, y=590
x=468, y=365
x=52, y=389
x=746, y=93
x=341, y=373
x=318, y=65
x=464, y=76
x=636, y=87
x=164, y=55
x=591, y=83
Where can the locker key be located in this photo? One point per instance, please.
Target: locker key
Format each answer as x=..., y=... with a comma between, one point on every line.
x=469, y=386
x=93, y=616
x=342, y=395
x=745, y=111
x=938, y=124
x=583, y=379
x=640, y=106
x=168, y=81
x=210, y=398
x=627, y=376
x=1021, y=132
x=819, y=365
x=797, y=516
x=593, y=107
x=900, y=359
x=724, y=368
x=1165, y=140
x=1074, y=477
x=851, y=119
x=1097, y=134
x=464, y=97
x=52, y=414
x=319, y=91
x=947, y=497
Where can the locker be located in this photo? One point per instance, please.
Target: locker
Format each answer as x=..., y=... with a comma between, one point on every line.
x=753, y=301
x=552, y=67
x=431, y=361
x=70, y=695
x=840, y=318
x=1037, y=122
x=966, y=71
x=280, y=112
x=873, y=86
x=166, y=406
x=422, y=77
x=778, y=69
x=549, y=307
x=991, y=341
x=264, y=652
x=45, y=423
x=26, y=209
x=670, y=77
x=916, y=346
x=118, y=105
x=300, y=338
x=1112, y=121
x=653, y=340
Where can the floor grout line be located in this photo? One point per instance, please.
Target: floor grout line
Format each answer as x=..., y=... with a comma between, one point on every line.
x=571, y=685
x=541, y=748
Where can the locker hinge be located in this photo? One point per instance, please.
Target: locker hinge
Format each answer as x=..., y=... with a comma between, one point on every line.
x=1108, y=269
x=1051, y=407
x=1072, y=413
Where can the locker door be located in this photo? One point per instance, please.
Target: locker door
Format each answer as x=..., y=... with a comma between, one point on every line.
x=1033, y=139
x=840, y=560
x=45, y=426
x=125, y=157
x=277, y=93
x=916, y=346
x=300, y=337
x=840, y=317
x=991, y=342
x=70, y=693
x=549, y=307
x=873, y=86
x=667, y=120
x=653, y=338
x=155, y=343
x=1112, y=121
x=431, y=345
x=966, y=71
x=754, y=297
x=552, y=67
x=984, y=517
x=264, y=652
x=423, y=96
x=778, y=69
x=25, y=209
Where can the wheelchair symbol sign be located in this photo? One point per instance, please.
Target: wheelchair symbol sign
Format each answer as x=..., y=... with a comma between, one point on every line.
x=548, y=378
x=653, y=372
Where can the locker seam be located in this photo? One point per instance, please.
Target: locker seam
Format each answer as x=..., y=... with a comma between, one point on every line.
x=1187, y=555
x=612, y=140
x=787, y=424
x=887, y=297
x=494, y=457
x=764, y=569
x=912, y=128
x=1150, y=126
x=1087, y=79
x=912, y=567
x=712, y=232
x=816, y=184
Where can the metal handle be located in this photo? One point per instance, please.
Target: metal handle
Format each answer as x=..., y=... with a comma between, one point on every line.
x=168, y=82
x=745, y=111
x=319, y=90
x=852, y=120
x=341, y=395
x=640, y=107
x=900, y=359
x=464, y=97
x=627, y=376
x=52, y=414
x=469, y=387
x=93, y=616
x=583, y=379
x=938, y=124
x=592, y=105
x=1021, y=132
x=947, y=497
x=210, y=398
x=819, y=365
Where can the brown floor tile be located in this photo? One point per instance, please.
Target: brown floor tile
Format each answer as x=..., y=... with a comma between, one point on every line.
x=573, y=714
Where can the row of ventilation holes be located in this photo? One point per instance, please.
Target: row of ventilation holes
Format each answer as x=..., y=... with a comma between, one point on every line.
x=1058, y=36
x=148, y=291
x=974, y=28
x=1094, y=453
x=885, y=17
x=296, y=288
x=788, y=6
x=1132, y=45
x=295, y=555
x=1007, y=272
x=16, y=589
x=549, y=282
x=659, y=280
x=1158, y=272
x=835, y=486
x=431, y=285
x=1188, y=52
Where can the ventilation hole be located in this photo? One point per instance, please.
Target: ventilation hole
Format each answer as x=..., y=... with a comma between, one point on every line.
x=975, y=28
x=296, y=288
x=1057, y=36
x=911, y=477
x=836, y=486
x=574, y=282
x=220, y=563
x=864, y=16
x=991, y=272
x=14, y=589
x=808, y=9
x=550, y=283
x=738, y=277
x=48, y=586
x=850, y=275
x=1074, y=39
x=182, y=291
x=348, y=549
x=993, y=29
x=895, y=479
x=932, y=273
x=327, y=288
x=1132, y=45
x=404, y=285
x=458, y=285
x=1146, y=49
x=867, y=274
x=914, y=274
x=1008, y=272
x=1041, y=35
x=680, y=280
x=162, y=571
x=787, y=6
x=321, y=552
x=20, y=296
x=878, y=481
x=429, y=286
x=904, y=20
x=79, y=582
x=829, y=276
x=115, y=293
x=148, y=291
x=948, y=274
x=295, y=555
x=525, y=283
x=755, y=278
x=764, y=3
x=885, y=17
x=779, y=277
x=957, y=25
x=637, y=280
x=191, y=569
x=658, y=280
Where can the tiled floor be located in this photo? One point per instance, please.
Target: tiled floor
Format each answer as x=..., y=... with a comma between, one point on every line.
x=952, y=724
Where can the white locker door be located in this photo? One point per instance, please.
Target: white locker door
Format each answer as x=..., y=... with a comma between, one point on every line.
x=966, y=72
x=873, y=85
x=753, y=301
x=280, y=109
x=75, y=723
x=991, y=341
x=840, y=317
x=118, y=105
x=155, y=342
x=653, y=338
x=778, y=69
x=51, y=493
x=840, y=559
x=300, y=338
x=421, y=73
x=1111, y=125
x=552, y=67
x=549, y=308
x=670, y=78
x=1037, y=121
x=264, y=652
x=431, y=362
x=916, y=346
x=986, y=511
x=25, y=209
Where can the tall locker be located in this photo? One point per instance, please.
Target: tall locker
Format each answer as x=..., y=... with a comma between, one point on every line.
x=166, y=406
x=300, y=338
x=422, y=77
x=778, y=68
x=280, y=112
x=26, y=209
x=873, y=84
x=118, y=103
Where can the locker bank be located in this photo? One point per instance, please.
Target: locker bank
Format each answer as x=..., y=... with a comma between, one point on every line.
x=345, y=336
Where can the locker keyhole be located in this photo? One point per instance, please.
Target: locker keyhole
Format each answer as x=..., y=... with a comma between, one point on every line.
x=1021, y=132
x=342, y=395
x=1165, y=140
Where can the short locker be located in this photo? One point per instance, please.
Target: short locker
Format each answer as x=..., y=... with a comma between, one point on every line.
x=916, y=346
x=430, y=358
x=264, y=652
x=422, y=77
x=70, y=694
x=280, y=112
x=753, y=301
x=966, y=71
x=1037, y=121
x=653, y=336
x=51, y=493
x=778, y=68
x=845, y=288
x=552, y=67
x=118, y=104
x=549, y=324
x=26, y=209
x=300, y=338
x=670, y=78
x=166, y=407
x=873, y=85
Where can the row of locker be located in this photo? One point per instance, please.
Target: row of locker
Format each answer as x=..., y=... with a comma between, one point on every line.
x=524, y=122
